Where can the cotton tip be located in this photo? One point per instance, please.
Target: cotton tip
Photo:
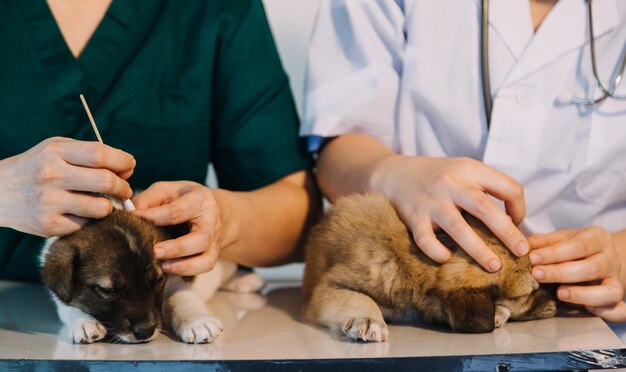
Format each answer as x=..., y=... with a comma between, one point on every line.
x=564, y=98
x=128, y=205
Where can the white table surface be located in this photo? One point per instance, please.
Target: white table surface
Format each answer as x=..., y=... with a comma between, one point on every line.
x=268, y=327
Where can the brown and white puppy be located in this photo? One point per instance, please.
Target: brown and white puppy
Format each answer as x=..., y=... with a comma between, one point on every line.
x=363, y=267
x=105, y=280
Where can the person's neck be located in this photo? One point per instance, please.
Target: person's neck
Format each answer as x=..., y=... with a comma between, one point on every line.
x=539, y=10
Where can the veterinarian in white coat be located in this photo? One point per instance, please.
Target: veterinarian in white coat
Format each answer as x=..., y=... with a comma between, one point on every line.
x=398, y=85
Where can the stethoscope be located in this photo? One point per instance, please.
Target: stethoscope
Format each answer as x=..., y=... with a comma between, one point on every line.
x=606, y=92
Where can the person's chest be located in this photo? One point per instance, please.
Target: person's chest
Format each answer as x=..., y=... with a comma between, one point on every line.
x=570, y=158
x=77, y=20
x=441, y=90
x=146, y=72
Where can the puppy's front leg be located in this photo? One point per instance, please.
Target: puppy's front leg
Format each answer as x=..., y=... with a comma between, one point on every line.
x=502, y=315
x=84, y=329
x=187, y=313
x=356, y=314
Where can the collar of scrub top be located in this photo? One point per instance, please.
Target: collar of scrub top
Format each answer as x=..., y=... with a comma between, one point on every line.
x=564, y=98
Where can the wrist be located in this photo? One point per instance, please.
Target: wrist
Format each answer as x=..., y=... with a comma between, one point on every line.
x=228, y=204
x=5, y=193
x=382, y=172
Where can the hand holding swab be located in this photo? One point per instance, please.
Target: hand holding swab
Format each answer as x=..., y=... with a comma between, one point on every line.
x=128, y=204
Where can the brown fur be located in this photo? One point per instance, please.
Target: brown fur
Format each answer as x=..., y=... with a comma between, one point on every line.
x=363, y=267
x=94, y=270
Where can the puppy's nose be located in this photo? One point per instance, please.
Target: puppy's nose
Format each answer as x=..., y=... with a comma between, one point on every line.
x=142, y=332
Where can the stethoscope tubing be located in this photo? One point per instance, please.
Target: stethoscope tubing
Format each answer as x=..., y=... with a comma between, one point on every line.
x=484, y=64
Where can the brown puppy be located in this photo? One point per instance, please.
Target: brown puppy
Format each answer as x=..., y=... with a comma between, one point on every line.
x=105, y=280
x=362, y=267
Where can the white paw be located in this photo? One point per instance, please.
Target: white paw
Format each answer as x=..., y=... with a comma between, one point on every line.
x=502, y=315
x=87, y=331
x=366, y=329
x=245, y=283
x=199, y=330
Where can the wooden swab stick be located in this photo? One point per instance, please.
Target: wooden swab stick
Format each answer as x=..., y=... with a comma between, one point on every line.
x=127, y=204
x=93, y=123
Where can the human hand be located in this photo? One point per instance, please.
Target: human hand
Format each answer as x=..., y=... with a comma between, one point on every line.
x=587, y=260
x=41, y=190
x=173, y=203
x=429, y=193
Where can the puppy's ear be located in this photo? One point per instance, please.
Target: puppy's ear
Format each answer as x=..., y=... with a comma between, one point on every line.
x=471, y=309
x=58, y=269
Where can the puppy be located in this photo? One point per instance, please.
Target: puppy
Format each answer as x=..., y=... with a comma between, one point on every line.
x=105, y=280
x=363, y=267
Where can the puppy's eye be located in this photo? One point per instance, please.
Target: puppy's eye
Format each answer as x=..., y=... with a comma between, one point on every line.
x=102, y=290
x=157, y=281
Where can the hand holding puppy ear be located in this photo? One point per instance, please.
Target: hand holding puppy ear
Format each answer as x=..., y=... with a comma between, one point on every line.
x=172, y=203
x=588, y=262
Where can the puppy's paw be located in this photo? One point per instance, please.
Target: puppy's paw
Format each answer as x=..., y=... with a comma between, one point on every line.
x=245, y=283
x=199, y=330
x=502, y=315
x=87, y=331
x=366, y=329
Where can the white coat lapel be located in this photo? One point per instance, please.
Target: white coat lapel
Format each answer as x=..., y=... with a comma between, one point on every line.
x=510, y=21
x=564, y=29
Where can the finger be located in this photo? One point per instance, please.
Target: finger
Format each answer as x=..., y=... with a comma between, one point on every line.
x=609, y=293
x=88, y=206
x=614, y=314
x=566, y=250
x=592, y=268
x=428, y=243
x=541, y=240
x=125, y=175
x=63, y=225
x=157, y=194
x=187, y=245
x=194, y=265
x=485, y=209
x=458, y=229
x=96, y=155
x=74, y=223
x=506, y=189
x=100, y=181
x=183, y=209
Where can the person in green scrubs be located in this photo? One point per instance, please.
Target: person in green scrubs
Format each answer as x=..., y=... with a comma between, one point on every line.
x=173, y=86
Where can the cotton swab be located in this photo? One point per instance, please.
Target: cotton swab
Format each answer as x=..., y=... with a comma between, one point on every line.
x=127, y=204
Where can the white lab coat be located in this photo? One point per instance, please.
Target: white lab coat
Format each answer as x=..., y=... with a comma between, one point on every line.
x=408, y=73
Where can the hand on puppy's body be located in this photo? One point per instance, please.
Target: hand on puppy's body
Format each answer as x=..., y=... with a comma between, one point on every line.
x=41, y=190
x=429, y=194
x=587, y=263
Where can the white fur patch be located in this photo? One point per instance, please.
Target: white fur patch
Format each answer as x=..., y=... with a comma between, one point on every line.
x=130, y=238
x=83, y=328
x=45, y=249
x=188, y=315
x=502, y=315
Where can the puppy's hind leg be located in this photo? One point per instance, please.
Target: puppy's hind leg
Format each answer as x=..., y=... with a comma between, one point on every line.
x=355, y=313
x=244, y=282
x=187, y=313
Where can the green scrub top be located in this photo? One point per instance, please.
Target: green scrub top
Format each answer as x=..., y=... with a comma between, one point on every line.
x=178, y=84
